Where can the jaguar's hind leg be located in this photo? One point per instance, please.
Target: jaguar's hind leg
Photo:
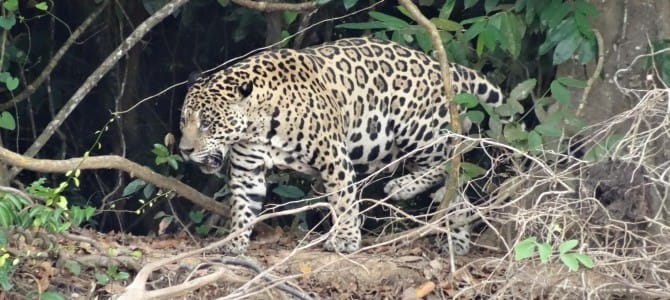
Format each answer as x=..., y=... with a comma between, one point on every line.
x=460, y=235
x=412, y=184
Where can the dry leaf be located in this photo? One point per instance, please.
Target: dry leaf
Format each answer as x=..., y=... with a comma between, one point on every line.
x=424, y=289
x=306, y=270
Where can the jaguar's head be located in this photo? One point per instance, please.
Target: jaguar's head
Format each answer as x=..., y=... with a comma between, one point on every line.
x=213, y=118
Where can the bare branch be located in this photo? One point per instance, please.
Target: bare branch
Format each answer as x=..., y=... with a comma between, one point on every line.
x=277, y=6
x=451, y=183
x=113, y=162
x=596, y=73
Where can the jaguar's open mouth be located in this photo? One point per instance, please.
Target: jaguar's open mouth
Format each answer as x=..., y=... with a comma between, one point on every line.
x=211, y=163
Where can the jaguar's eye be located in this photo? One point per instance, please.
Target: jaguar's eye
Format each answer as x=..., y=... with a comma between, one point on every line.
x=204, y=124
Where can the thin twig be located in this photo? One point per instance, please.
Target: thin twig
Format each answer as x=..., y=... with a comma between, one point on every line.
x=595, y=75
x=277, y=6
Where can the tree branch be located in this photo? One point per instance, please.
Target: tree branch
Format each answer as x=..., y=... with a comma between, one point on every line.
x=276, y=6
x=452, y=181
x=97, y=75
x=30, y=88
x=118, y=163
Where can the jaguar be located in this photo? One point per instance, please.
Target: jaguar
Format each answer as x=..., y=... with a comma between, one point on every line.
x=334, y=111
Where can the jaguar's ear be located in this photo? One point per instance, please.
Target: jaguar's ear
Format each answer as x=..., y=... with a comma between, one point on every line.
x=193, y=77
x=245, y=88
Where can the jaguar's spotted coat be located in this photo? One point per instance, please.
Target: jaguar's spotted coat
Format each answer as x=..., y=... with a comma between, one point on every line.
x=334, y=110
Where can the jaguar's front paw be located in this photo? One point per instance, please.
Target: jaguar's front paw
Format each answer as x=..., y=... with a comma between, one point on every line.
x=237, y=246
x=460, y=239
x=401, y=189
x=346, y=244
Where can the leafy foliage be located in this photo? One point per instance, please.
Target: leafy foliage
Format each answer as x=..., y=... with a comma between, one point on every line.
x=660, y=60
x=527, y=248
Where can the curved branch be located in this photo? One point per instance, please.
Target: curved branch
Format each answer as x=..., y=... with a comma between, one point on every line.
x=30, y=88
x=97, y=75
x=451, y=183
x=113, y=162
x=276, y=6
x=596, y=72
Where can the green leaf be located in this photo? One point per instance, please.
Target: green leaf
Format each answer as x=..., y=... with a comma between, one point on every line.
x=512, y=30
x=43, y=6
x=488, y=37
x=558, y=34
x=12, y=83
x=424, y=41
x=173, y=162
x=122, y=275
x=474, y=30
x=11, y=5
x=288, y=191
x=600, y=150
x=514, y=133
x=48, y=295
x=101, y=278
x=472, y=170
x=560, y=92
x=475, y=116
x=570, y=261
x=566, y=48
x=495, y=127
x=349, y=3
x=510, y=108
x=6, y=215
x=522, y=90
x=148, y=190
x=133, y=187
x=202, y=229
x=587, y=9
x=584, y=259
x=160, y=150
x=534, y=140
x=391, y=21
x=444, y=24
x=73, y=266
x=446, y=9
x=289, y=16
x=196, y=216
x=3, y=239
x=7, y=22
x=567, y=246
x=544, y=250
x=525, y=248
x=7, y=121
x=490, y=5
x=550, y=130
x=469, y=3
x=571, y=82
x=364, y=25
x=466, y=100
x=586, y=51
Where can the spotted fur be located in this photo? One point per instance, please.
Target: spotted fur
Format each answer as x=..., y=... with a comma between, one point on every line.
x=334, y=110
